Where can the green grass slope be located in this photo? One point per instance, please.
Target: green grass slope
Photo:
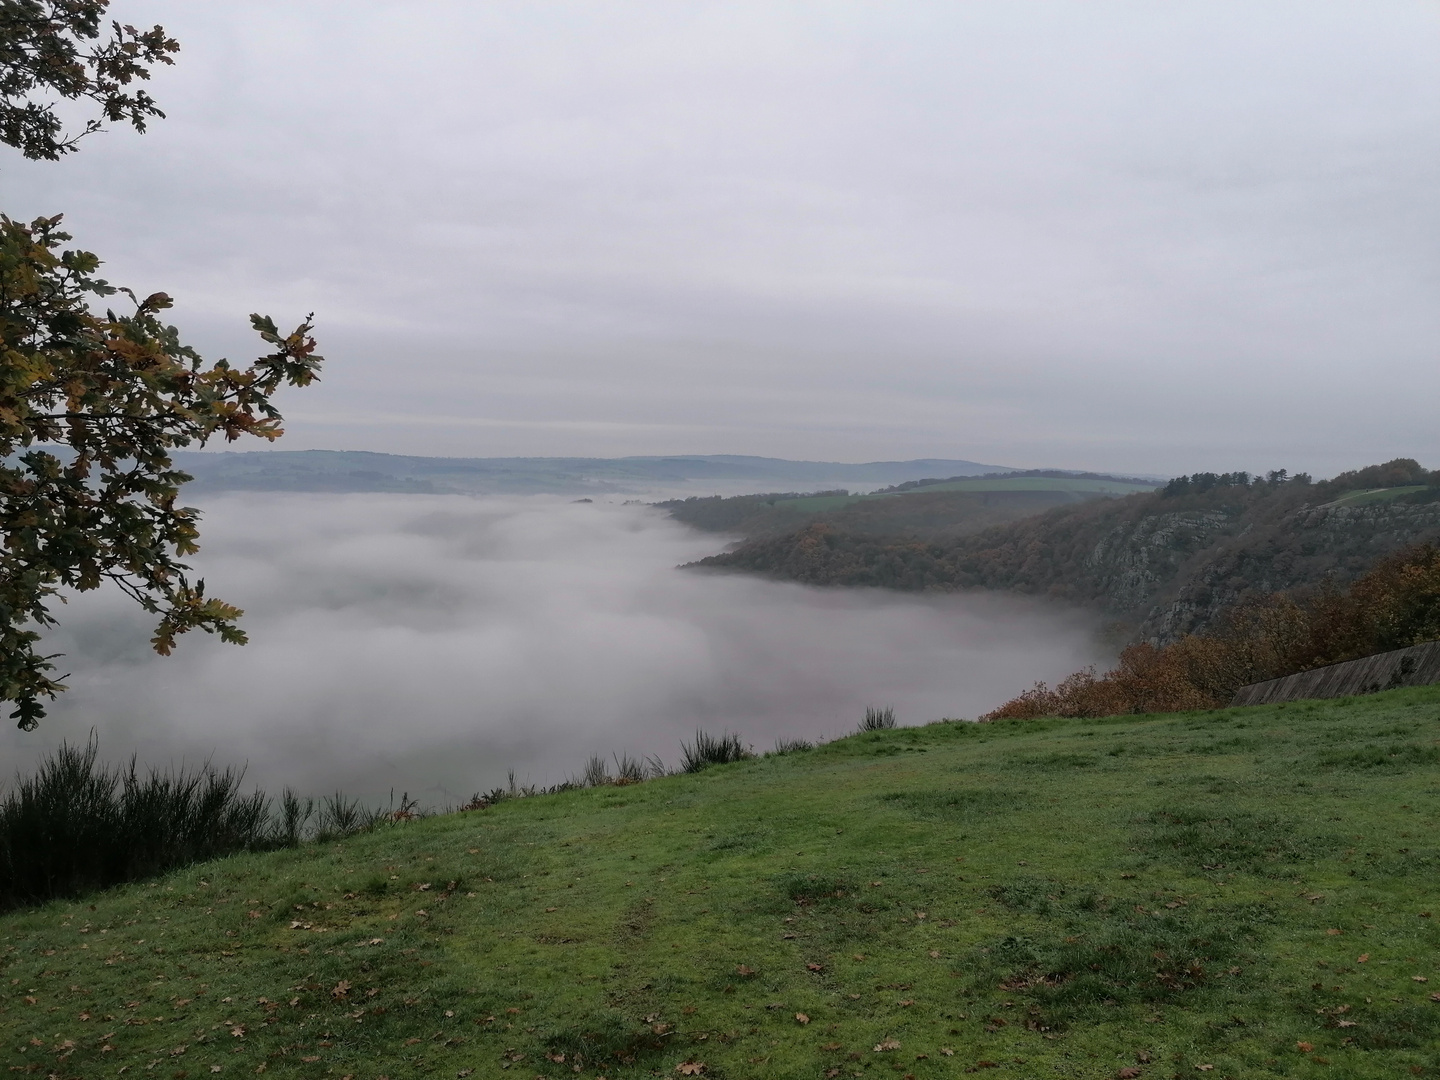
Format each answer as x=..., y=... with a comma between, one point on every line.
x=1241, y=893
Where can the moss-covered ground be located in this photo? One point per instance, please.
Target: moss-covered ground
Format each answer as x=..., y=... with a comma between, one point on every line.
x=1241, y=893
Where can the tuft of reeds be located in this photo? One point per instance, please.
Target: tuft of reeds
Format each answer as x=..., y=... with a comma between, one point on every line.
x=878, y=719
x=597, y=772
x=709, y=750
x=792, y=746
x=629, y=770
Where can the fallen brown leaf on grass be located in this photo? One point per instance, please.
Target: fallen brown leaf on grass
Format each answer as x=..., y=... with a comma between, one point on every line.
x=1304, y=1047
x=814, y=967
x=342, y=988
x=690, y=1068
x=1128, y=1073
x=1332, y=931
x=802, y=1018
x=1419, y=978
x=1362, y=958
x=888, y=1044
x=832, y=1046
x=743, y=971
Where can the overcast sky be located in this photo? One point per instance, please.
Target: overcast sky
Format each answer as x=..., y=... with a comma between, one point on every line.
x=1130, y=236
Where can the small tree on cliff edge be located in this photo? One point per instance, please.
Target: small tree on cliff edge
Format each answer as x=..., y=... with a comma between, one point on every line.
x=91, y=406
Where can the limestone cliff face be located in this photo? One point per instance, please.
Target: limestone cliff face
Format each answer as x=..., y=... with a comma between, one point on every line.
x=1306, y=547
x=1135, y=560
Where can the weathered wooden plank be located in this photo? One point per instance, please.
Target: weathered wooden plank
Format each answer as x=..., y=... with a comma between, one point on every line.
x=1419, y=665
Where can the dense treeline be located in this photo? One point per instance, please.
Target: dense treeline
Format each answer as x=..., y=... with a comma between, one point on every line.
x=1395, y=605
x=1166, y=564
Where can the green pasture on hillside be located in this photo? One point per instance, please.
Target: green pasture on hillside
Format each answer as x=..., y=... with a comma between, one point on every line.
x=821, y=503
x=1373, y=495
x=1241, y=893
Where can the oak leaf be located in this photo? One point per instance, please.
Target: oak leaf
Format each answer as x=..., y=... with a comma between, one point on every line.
x=888, y=1044
x=802, y=1018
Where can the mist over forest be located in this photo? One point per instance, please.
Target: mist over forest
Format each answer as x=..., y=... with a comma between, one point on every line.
x=432, y=643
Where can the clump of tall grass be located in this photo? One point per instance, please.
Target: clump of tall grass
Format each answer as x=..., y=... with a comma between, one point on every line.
x=629, y=770
x=792, y=746
x=709, y=750
x=878, y=719
x=78, y=825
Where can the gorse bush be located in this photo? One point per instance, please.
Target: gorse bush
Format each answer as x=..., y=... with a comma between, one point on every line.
x=878, y=719
x=78, y=825
x=709, y=750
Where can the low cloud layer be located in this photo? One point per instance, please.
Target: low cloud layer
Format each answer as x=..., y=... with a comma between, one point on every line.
x=431, y=643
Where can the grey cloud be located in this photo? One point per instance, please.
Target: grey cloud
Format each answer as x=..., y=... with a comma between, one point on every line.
x=1115, y=235
x=430, y=643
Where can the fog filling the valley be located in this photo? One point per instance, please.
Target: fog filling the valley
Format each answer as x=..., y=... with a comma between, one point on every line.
x=429, y=644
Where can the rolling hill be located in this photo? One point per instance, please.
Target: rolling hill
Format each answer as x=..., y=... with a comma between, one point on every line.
x=1164, y=563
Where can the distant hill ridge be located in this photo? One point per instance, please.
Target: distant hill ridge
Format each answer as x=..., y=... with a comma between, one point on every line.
x=355, y=470
x=1163, y=563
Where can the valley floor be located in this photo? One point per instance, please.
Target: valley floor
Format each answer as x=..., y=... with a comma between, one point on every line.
x=1239, y=893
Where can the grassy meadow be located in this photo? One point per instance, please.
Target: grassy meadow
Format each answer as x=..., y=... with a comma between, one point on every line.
x=811, y=504
x=1239, y=893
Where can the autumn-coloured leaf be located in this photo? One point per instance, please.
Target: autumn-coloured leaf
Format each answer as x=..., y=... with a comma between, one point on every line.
x=1364, y=956
x=1419, y=978
x=888, y=1044
x=1128, y=1073
x=934, y=954
x=1345, y=1023
x=743, y=971
x=814, y=967
x=341, y=989
x=832, y=1046
x=801, y=1018
x=947, y=1051
x=906, y=1003
x=1304, y=1047
x=312, y=1057
x=690, y=1068
x=1333, y=931
x=1205, y=1068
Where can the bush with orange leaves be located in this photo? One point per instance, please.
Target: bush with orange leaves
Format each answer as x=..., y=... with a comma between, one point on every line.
x=1395, y=605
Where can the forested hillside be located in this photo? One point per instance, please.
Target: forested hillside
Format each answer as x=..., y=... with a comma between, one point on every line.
x=1164, y=563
